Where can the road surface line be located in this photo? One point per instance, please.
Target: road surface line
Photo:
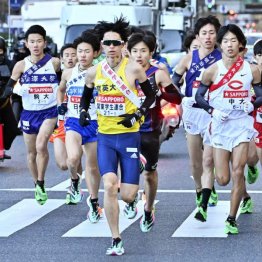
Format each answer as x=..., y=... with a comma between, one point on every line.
x=101, y=229
x=102, y=190
x=25, y=213
x=65, y=184
x=213, y=227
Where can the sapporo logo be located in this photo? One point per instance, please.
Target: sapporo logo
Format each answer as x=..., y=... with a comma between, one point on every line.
x=235, y=84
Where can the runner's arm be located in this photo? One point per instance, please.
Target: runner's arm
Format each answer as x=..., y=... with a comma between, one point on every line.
x=202, y=89
x=168, y=91
x=258, y=91
x=62, y=88
x=148, y=90
x=16, y=74
x=180, y=69
x=88, y=89
x=257, y=85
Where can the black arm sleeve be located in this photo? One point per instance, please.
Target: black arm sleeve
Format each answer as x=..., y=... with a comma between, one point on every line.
x=202, y=103
x=150, y=93
x=171, y=94
x=176, y=79
x=86, y=98
x=11, y=83
x=258, y=91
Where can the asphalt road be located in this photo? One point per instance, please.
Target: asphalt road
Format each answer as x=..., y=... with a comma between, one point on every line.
x=57, y=232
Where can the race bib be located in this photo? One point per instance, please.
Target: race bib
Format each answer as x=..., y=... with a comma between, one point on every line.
x=235, y=99
x=108, y=105
x=41, y=95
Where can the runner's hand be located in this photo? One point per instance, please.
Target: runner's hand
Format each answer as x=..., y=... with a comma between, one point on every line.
x=188, y=101
x=62, y=109
x=129, y=119
x=220, y=116
x=248, y=107
x=84, y=119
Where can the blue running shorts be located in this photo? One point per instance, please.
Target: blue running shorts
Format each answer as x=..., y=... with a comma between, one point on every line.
x=123, y=149
x=88, y=133
x=31, y=121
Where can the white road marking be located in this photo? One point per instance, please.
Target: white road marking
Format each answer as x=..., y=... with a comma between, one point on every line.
x=213, y=227
x=65, y=184
x=25, y=213
x=179, y=191
x=101, y=229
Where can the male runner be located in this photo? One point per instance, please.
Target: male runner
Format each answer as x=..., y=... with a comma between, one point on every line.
x=141, y=48
x=229, y=81
x=195, y=119
x=119, y=114
x=39, y=83
x=72, y=84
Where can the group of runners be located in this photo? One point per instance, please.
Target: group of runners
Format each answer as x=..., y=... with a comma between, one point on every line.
x=106, y=103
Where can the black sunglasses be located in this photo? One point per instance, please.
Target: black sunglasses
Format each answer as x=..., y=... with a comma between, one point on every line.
x=112, y=42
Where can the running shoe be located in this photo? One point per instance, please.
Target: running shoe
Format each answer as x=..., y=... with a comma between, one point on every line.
x=252, y=174
x=130, y=209
x=94, y=213
x=74, y=195
x=246, y=206
x=201, y=214
x=116, y=249
x=231, y=227
x=146, y=224
x=40, y=194
x=213, y=199
x=198, y=200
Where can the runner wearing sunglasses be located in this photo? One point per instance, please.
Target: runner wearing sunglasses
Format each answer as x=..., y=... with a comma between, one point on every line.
x=120, y=114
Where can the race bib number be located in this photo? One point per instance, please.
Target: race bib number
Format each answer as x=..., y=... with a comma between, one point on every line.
x=110, y=105
x=41, y=95
x=235, y=99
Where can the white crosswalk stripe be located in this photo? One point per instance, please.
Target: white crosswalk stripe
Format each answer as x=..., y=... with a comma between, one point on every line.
x=213, y=227
x=25, y=213
x=101, y=229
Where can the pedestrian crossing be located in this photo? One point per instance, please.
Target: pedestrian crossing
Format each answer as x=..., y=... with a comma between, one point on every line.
x=27, y=211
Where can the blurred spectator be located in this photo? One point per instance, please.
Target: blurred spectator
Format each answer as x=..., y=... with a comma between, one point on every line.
x=7, y=118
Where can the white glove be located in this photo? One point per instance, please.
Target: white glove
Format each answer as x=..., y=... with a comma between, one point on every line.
x=219, y=116
x=188, y=101
x=248, y=107
x=20, y=90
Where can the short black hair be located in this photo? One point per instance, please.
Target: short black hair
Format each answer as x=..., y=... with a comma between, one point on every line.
x=137, y=38
x=120, y=26
x=64, y=47
x=190, y=37
x=211, y=19
x=257, y=49
x=35, y=29
x=88, y=38
x=233, y=29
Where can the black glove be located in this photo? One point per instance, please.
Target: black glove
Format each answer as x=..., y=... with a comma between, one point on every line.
x=84, y=118
x=8, y=91
x=130, y=119
x=62, y=109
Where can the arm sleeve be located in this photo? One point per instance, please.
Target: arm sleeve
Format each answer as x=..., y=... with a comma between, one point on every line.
x=202, y=89
x=258, y=91
x=150, y=93
x=86, y=98
x=176, y=79
x=171, y=94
